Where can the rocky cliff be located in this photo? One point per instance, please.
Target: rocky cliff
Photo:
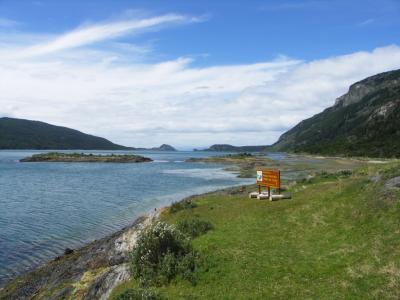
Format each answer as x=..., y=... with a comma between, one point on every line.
x=363, y=122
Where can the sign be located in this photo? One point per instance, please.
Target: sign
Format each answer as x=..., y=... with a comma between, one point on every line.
x=269, y=178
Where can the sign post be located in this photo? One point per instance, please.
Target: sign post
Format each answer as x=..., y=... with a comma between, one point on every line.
x=269, y=178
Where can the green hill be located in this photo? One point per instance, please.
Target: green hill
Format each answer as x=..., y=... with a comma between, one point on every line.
x=363, y=122
x=26, y=134
x=231, y=148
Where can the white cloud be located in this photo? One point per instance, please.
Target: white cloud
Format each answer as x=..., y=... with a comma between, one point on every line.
x=366, y=22
x=5, y=22
x=87, y=35
x=146, y=104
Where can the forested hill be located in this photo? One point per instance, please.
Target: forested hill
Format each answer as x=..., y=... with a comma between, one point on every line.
x=26, y=134
x=231, y=148
x=363, y=122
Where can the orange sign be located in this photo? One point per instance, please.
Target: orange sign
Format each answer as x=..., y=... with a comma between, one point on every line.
x=270, y=178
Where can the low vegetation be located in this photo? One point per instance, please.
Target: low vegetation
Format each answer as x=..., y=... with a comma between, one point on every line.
x=162, y=253
x=181, y=205
x=194, y=227
x=338, y=238
x=82, y=157
x=139, y=294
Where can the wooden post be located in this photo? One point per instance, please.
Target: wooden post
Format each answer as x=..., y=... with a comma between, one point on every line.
x=279, y=185
x=259, y=189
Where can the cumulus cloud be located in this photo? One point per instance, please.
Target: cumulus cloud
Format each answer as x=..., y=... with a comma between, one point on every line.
x=145, y=104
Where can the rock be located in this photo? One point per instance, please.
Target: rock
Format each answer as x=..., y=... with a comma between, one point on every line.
x=281, y=197
x=375, y=178
x=235, y=191
x=253, y=195
x=102, y=286
x=263, y=196
x=68, y=251
x=393, y=183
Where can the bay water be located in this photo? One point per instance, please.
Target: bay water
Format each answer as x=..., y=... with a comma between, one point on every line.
x=46, y=207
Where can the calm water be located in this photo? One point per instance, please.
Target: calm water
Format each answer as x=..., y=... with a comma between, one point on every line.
x=46, y=207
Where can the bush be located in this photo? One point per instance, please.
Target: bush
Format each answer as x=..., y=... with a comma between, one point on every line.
x=138, y=294
x=162, y=252
x=194, y=227
x=181, y=205
x=344, y=173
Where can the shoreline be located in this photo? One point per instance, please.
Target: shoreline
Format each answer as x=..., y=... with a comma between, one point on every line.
x=96, y=267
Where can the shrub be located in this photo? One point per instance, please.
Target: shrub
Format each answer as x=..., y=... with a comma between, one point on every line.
x=391, y=171
x=159, y=254
x=344, y=173
x=194, y=227
x=138, y=294
x=181, y=205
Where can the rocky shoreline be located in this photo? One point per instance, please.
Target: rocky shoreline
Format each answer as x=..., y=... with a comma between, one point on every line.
x=92, y=271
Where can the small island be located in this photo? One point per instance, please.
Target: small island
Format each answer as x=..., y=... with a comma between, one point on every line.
x=81, y=157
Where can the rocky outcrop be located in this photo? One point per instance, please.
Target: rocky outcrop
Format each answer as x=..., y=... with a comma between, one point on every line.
x=367, y=86
x=393, y=183
x=87, y=273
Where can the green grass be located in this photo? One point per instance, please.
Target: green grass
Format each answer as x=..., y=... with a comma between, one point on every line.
x=338, y=238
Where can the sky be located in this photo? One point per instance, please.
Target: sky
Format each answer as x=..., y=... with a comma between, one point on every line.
x=188, y=73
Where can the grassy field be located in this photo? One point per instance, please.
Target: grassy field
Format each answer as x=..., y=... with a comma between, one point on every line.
x=338, y=238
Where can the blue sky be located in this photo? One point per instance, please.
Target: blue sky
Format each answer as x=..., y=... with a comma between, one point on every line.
x=235, y=31
x=155, y=66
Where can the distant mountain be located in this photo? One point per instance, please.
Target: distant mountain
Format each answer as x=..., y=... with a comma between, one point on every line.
x=164, y=147
x=363, y=122
x=26, y=134
x=230, y=148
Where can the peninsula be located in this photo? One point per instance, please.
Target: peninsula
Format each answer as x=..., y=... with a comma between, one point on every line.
x=81, y=157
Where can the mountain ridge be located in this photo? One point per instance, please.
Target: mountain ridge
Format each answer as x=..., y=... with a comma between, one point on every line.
x=29, y=134
x=363, y=122
x=231, y=148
